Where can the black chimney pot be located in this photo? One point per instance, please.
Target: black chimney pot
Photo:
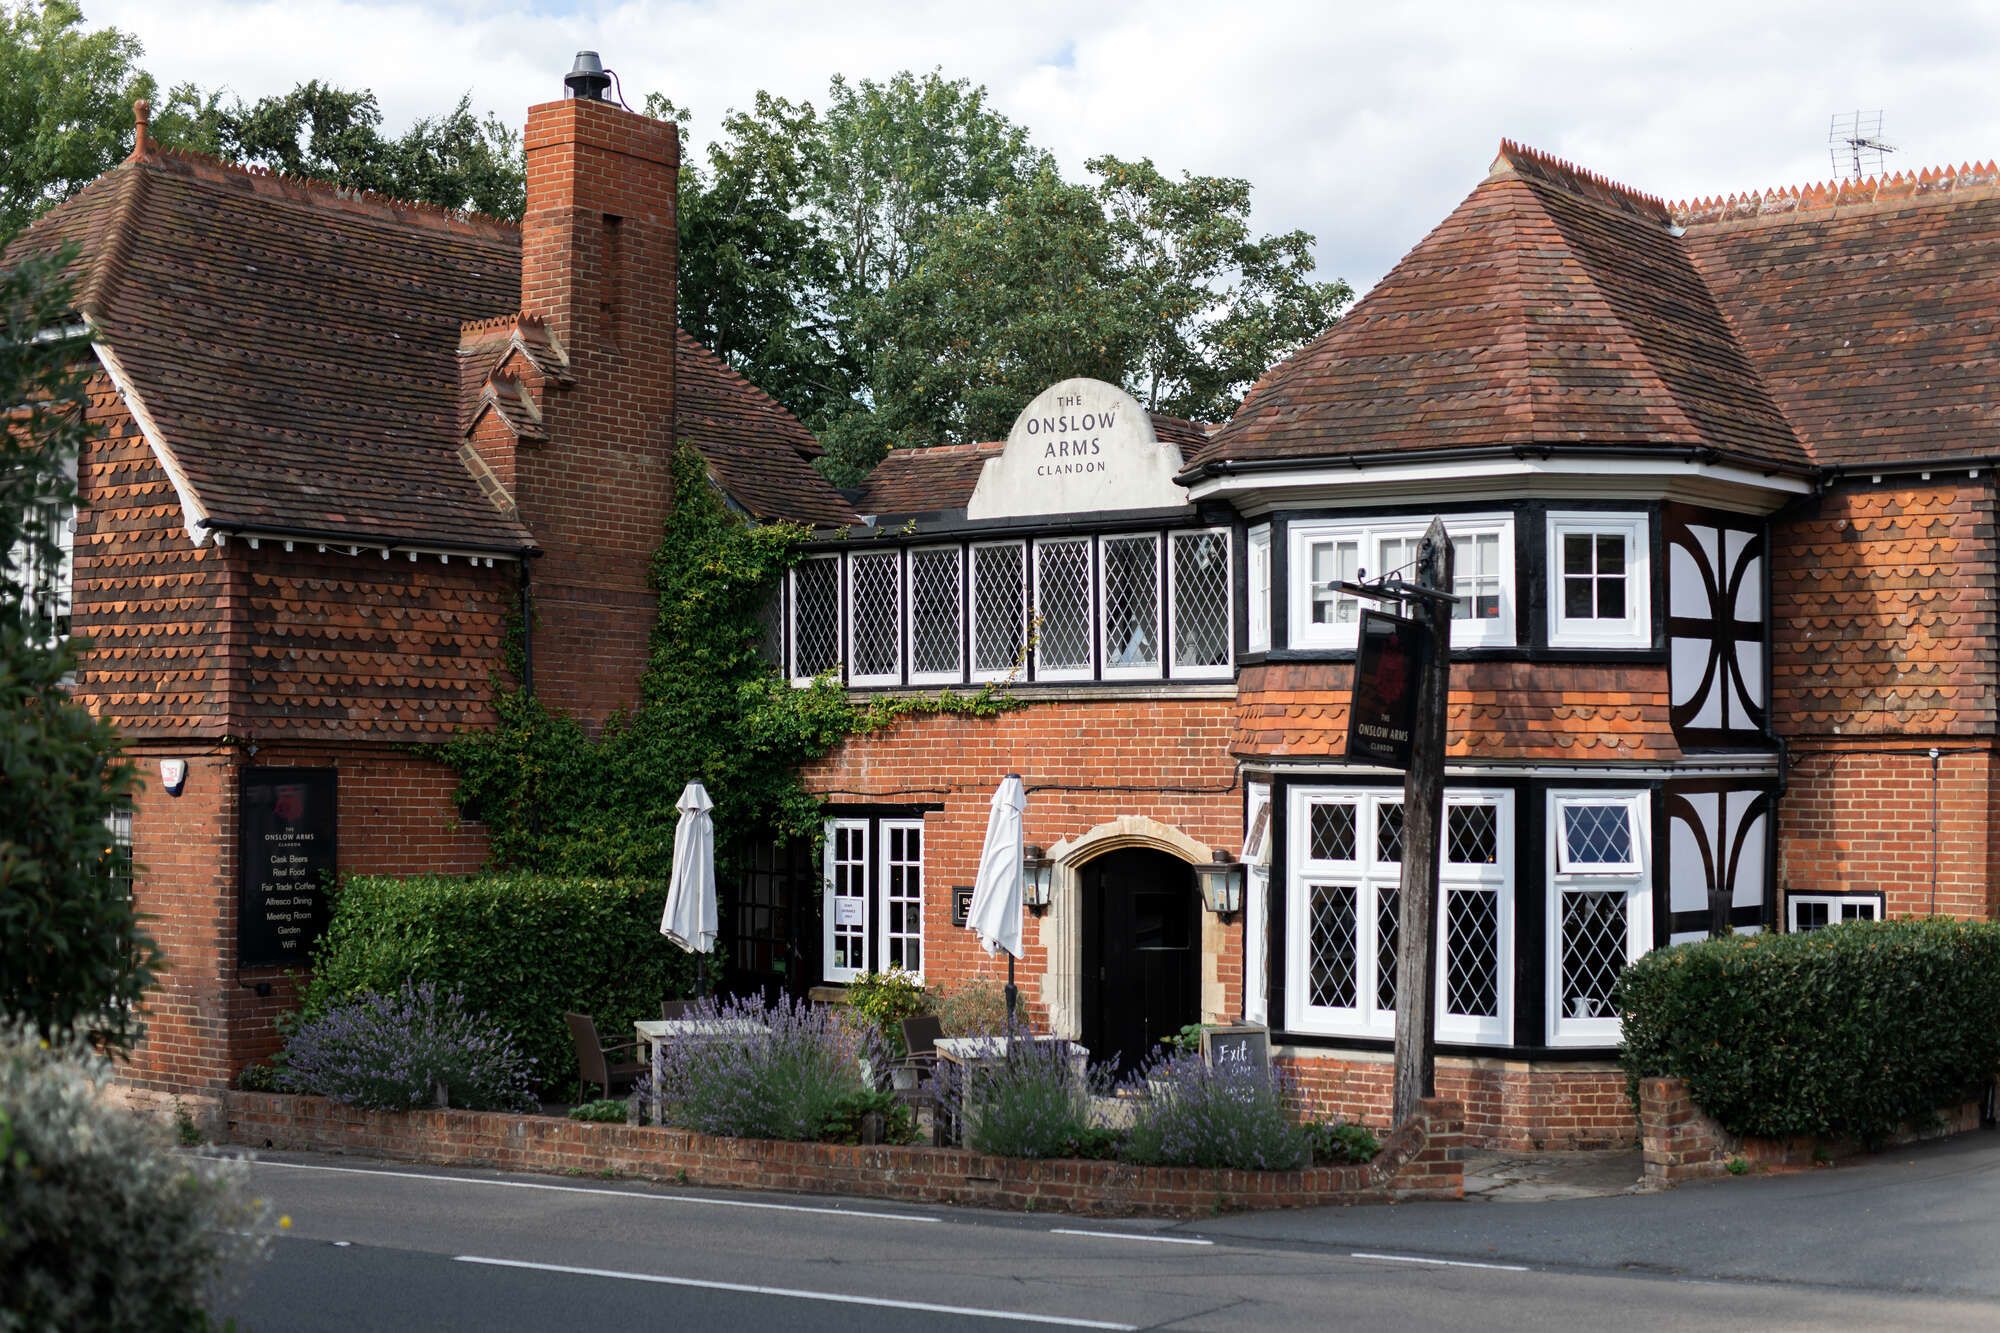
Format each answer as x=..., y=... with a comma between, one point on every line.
x=586, y=78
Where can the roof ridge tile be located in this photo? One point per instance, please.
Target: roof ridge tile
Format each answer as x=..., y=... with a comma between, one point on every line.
x=1976, y=178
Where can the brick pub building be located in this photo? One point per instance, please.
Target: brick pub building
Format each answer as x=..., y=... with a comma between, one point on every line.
x=1718, y=477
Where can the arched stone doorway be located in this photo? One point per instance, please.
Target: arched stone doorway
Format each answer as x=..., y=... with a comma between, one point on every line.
x=1155, y=897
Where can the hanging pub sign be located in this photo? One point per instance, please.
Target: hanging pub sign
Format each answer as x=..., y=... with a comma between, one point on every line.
x=287, y=860
x=1382, y=715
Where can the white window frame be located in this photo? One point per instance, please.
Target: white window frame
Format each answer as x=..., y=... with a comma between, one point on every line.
x=1145, y=671
x=1227, y=667
x=1835, y=903
x=1635, y=883
x=1257, y=814
x=893, y=676
x=830, y=898
x=1018, y=663
x=957, y=673
x=883, y=935
x=49, y=593
x=1635, y=630
x=1368, y=535
x=792, y=618
x=1257, y=573
x=1371, y=876
x=1091, y=599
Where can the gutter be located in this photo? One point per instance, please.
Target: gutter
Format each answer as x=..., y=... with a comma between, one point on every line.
x=1225, y=467
x=381, y=541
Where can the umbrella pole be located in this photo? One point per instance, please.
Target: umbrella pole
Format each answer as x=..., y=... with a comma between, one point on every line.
x=700, y=975
x=1013, y=995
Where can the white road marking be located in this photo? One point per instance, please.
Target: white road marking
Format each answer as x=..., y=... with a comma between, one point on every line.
x=1130, y=1235
x=1445, y=1263
x=836, y=1298
x=615, y=1194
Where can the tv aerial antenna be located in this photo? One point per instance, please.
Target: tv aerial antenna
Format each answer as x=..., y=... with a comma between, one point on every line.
x=1854, y=143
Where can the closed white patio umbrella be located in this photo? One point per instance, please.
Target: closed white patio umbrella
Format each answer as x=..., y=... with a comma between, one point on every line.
x=995, y=914
x=690, y=918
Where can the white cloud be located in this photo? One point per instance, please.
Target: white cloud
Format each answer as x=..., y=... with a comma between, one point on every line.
x=1362, y=123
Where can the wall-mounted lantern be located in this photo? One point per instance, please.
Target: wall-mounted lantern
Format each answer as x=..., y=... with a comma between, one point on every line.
x=1221, y=885
x=1038, y=875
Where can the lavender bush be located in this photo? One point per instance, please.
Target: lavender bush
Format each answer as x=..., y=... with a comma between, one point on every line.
x=412, y=1049
x=1034, y=1103
x=797, y=1077
x=1236, y=1116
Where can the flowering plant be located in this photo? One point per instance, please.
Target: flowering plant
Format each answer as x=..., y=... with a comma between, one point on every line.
x=782, y=1069
x=1232, y=1115
x=411, y=1049
x=1034, y=1102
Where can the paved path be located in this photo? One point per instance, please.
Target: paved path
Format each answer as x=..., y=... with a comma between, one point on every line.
x=1904, y=1242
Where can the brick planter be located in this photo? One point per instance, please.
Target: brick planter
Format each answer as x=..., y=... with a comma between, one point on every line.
x=1682, y=1142
x=1421, y=1160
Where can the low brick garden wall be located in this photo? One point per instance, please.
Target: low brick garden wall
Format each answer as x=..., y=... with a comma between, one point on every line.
x=1681, y=1142
x=1421, y=1160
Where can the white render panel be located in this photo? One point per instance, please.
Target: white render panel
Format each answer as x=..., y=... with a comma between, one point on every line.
x=1750, y=861
x=1687, y=594
x=1082, y=446
x=1688, y=885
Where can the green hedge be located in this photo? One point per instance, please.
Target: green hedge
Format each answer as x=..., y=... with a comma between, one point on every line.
x=520, y=948
x=1850, y=1031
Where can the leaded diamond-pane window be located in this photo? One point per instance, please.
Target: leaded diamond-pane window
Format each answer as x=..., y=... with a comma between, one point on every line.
x=875, y=607
x=816, y=616
x=1593, y=951
x=1597, y=836
x=1062, y=602
x=934, y=620
x=1472, y=835
x=1132, y=604
x=1332, y=832
x=998, y=596
x=1388, y=939
x=1389, y=832
x=1472, y=952
x=1201, y=600
x=1331, y=961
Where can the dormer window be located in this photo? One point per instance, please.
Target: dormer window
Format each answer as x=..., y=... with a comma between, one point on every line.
x=1599, y=596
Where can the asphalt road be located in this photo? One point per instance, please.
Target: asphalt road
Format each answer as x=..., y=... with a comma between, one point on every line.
x=1905, y=1242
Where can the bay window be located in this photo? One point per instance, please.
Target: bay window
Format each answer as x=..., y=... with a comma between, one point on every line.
x=1600, y=908
x=1257, y=567
x=1599, y=593
x=1325, y=554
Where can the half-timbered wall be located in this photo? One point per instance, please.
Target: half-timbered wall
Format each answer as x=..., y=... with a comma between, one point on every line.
x=1717, y=627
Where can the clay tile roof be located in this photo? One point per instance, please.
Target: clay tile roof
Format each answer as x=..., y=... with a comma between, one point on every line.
x=1551, y=308
x=297, y=346
x=939, y=478
x=1867, y=307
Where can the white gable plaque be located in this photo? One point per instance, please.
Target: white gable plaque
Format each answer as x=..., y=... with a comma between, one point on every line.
x=1081, y=446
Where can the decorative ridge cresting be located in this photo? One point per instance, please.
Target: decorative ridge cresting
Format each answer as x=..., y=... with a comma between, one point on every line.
x=312, y=189
x=1782, y=200
x=1580, y=180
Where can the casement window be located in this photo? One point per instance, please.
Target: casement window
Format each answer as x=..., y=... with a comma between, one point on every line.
x=1600, y=908
x=1600, y=595
x=1816, y=911
x=1130, y=578
x=872, y=911
x=771, y=627
x=875, y=621
x=936, y=640
x=1063, y=609
x=1257, y=568
x=999, y=609
x=118, y=850
x=1198, y=581
x=45, y=578
x=815, y=617
x=1323, y=555
x=1343, y=899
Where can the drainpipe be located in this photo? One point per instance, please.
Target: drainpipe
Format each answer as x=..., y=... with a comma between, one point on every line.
x=527, y=633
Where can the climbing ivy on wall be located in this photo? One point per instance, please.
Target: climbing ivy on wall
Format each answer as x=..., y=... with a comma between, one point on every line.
x=558, y=800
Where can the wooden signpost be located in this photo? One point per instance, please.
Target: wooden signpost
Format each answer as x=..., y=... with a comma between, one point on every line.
x=1382, y=692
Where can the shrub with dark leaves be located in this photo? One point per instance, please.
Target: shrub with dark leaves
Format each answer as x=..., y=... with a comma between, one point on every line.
x=1338, y=1143
x=415, y=1048
x=1033, y=1102
x=1236, y=1116
x=756, y=1070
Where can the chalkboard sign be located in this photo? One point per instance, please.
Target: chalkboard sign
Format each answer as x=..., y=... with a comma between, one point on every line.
x=287, y=820
x=1247, y=1046
x=961, y=904
x=1382, y=713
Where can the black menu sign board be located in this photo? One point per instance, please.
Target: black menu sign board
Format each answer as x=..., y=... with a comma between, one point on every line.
x=1383, y=713
x=287, y=859
x=1246, y=1046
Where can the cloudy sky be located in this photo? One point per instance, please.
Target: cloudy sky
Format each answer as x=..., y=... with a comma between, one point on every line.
x=1363, y=123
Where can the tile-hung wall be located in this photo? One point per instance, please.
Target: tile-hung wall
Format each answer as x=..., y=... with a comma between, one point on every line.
x=1122, y=606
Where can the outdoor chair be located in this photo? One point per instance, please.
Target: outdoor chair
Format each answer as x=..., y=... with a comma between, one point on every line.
x=593, y=1058
x=920, y=1035
x=672, y=1009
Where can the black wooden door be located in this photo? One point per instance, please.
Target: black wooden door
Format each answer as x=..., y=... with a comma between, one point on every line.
x=1141, y=954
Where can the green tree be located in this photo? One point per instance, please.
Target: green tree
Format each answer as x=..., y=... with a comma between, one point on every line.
x=72, y=956
x=66, y=97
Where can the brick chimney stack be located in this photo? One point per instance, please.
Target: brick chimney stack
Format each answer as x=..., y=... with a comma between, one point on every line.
x=599, y=249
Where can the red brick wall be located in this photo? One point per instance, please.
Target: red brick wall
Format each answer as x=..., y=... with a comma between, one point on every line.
x=1508, y=1105
x=595, y=495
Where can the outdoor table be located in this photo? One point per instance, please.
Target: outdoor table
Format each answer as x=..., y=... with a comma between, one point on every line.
x=656, y=1034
